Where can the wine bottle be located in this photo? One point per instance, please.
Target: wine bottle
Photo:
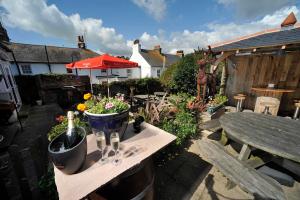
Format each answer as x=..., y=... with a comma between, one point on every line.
x=72, y=136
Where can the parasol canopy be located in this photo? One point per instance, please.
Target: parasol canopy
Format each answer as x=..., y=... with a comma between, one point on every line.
x=104, y=61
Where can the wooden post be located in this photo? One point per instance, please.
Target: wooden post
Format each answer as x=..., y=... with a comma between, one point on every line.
x=245, y=152
x=223, y=79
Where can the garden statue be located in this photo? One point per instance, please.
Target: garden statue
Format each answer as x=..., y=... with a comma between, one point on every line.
x=206, y=81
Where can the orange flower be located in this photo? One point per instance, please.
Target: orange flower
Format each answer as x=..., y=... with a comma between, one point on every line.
x=60, y=118
x=81, y=107
x=87, y=96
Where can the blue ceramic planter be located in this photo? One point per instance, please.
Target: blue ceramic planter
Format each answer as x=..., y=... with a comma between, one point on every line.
x=108, y=123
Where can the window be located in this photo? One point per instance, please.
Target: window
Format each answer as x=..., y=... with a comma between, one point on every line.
x=26, y=69
x=103, y=71
x=129, y=72
x=158, y=73
x=69, y=71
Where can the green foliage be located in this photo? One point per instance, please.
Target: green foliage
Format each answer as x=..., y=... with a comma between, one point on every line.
x=62, y=127
x=167, y=76
x=181, y=100
x=109, y=105
x=182, y=76
x=47, y=185
x=184, y=124
x=219, y=99
x=141, y=86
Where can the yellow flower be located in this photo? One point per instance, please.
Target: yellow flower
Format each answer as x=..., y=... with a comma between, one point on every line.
x=81, y=107
x=87, y=96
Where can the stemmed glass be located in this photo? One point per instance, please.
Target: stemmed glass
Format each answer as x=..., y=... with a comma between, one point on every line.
x=101, y=143
x=115, y=143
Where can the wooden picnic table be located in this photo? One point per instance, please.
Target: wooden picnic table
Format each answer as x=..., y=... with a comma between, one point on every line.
x=277, y=135
x=144, y=96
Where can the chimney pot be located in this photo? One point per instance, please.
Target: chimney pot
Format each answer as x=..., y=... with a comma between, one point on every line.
x=180, y=53
x=290, y=20
x=80, y=42
x=157, y=48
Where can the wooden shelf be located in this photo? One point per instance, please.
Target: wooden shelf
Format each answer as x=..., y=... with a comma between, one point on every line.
x=272, y=90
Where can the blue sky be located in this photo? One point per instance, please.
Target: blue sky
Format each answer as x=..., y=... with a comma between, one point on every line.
x=111, y=25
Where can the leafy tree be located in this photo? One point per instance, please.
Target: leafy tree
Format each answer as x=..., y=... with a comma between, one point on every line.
x=185, y=74
x=167, y=76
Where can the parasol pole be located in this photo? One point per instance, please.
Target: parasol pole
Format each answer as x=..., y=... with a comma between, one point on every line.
x=107, y=83
x=91, y=81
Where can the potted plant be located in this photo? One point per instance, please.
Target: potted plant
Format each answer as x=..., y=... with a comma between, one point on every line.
x=106, y=114
x=216, y=103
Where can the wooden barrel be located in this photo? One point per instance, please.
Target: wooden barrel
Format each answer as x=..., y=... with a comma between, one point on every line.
x=134, y=184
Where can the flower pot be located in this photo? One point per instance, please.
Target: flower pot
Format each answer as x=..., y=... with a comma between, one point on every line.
x=70, y=160
x=213, y=109
x=108, y=123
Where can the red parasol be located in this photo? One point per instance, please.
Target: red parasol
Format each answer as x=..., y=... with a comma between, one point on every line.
x=104, y=61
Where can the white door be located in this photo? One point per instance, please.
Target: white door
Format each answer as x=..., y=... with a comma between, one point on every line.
x=8, y=87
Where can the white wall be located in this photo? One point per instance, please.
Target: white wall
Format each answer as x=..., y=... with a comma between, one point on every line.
x=154, y=71
x=40, y=68
x=145, y=69
x=59, y=69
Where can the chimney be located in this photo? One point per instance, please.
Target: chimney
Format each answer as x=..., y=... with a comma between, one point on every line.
x=157, y=48
x=180, y=53
x=80, y=42
x=136, y=46
x=289, y=21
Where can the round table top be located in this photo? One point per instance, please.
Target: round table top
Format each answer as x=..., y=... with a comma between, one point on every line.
x=275, y=90
x=276, y=135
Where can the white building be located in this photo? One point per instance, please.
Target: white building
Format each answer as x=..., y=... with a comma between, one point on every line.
x=152, y=62
x=31, y=59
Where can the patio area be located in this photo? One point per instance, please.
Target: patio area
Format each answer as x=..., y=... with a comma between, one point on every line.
x=221, y=123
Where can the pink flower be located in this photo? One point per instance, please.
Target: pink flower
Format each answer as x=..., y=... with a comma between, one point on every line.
x=109, y=105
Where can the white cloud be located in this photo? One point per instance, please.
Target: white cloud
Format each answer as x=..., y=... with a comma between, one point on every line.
x=49, y=21
x=256, y=8
x=156, y=8
x=188, y=41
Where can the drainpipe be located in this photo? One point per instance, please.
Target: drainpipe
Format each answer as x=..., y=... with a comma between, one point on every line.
x=164, y=63
x=48, y=62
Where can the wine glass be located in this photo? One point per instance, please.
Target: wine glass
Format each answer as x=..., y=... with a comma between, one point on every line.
x=115, y=143
x=101, y=144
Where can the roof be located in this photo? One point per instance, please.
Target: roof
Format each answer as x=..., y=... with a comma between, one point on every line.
x=156, y=59
x=31, y=53
x=267, y=38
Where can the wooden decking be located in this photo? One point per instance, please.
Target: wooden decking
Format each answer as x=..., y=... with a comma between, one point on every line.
x=260, y=186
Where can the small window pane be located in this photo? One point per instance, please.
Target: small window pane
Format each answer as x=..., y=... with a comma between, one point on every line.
x=158, y=73
x=103, y=70
x=129, y=72
x=26, y=69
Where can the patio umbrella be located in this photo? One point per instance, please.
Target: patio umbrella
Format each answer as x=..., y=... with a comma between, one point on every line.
x=104, y=61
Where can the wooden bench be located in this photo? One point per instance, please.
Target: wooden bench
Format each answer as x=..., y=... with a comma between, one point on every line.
x=250, y=180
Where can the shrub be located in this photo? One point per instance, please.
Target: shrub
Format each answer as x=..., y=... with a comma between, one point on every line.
x=167, y=76
x=185, y=74
x=142, y=86
x=184, y=124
